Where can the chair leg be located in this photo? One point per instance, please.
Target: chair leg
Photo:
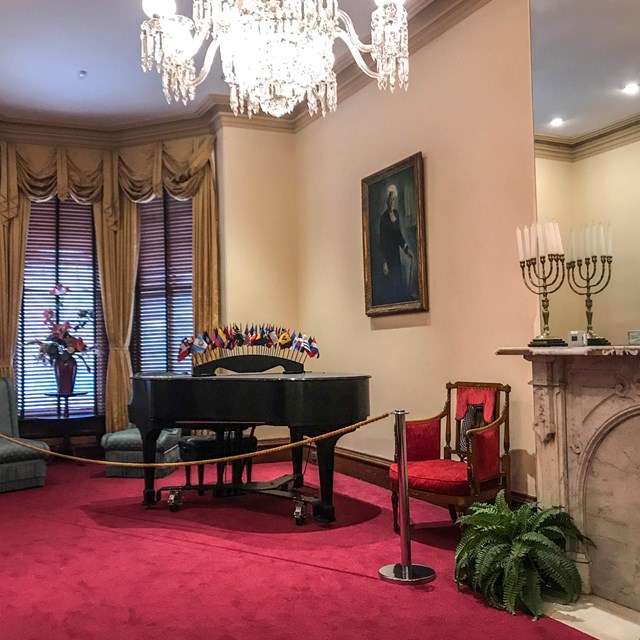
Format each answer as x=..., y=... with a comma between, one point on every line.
x=187, y=475
x=394, y=508
x=236, y=472
x=200, y=478
x=248, y=467
x=453, y=513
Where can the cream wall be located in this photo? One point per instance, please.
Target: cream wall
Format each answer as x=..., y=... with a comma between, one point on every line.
x=468, y=110
x=258, y=226
x=600, y=188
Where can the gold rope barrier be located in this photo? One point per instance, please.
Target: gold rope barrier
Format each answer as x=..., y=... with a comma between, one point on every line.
x=254, y=454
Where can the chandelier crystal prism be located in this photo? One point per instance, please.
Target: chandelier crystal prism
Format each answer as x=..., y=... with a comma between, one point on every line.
x=275, y=54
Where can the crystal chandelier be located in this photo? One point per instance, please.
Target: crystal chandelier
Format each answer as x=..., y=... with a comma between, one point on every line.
x=275, y=53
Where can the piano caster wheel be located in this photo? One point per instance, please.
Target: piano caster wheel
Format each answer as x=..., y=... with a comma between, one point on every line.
x=174, y=501
x=299, y=514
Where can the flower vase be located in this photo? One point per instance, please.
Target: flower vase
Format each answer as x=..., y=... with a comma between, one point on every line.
x=65, y=371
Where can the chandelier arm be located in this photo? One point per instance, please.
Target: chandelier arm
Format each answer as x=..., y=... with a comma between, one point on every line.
x=357, y=56
x=208, y=61
x=350, y=31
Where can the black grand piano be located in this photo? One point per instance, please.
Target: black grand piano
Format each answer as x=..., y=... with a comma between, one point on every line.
x=309, y=404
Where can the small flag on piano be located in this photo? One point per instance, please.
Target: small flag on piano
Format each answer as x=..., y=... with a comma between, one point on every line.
x=185, y=349
x=198, y=345
x=284, y=340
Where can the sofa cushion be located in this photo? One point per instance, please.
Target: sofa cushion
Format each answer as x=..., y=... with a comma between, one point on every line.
x=10, y=452
x=131, y=440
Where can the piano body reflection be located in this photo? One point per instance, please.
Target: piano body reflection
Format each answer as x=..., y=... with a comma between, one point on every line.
x=310, y=404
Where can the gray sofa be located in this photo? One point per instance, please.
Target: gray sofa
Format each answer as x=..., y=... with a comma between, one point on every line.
x=20, y=468
x=126, y=446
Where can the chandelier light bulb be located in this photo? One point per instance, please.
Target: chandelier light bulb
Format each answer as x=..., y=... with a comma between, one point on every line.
x=275, y=54
x=631, y=89
x=557, y=122
x=159, y=7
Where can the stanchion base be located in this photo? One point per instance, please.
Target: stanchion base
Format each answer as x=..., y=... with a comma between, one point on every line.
x=403, y=574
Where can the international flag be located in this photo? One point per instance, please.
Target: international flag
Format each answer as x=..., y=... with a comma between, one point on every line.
x=185, y=349
x=219, y=337
x=237, y=336
x=198, y=345
x=285, y=340
x=313, y=348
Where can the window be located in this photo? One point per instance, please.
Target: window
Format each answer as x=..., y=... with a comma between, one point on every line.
x=163, y=311
x=60, y=249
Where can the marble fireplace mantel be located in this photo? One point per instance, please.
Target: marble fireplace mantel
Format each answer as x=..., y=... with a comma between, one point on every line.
x=581, y=395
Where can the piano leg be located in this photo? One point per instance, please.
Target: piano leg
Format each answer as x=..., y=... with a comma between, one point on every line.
x=149, y=441
x=323, y=509
x=296, y=458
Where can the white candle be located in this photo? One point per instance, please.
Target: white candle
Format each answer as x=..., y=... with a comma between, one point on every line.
x=588, y=241
x=572, y=243
x=541, y=245
x=559, y=247
x=582, y=250
x=609, y=240
x=534, y=240
x=603, y=247
x=519, y=239
x=527, y=244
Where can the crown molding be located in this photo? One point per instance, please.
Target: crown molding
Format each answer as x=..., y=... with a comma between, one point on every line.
x=427, y=20
x=569, y=149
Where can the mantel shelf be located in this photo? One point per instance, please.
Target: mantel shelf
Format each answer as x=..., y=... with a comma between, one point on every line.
x=609, y=350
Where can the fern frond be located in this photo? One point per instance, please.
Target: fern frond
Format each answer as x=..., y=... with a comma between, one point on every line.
x=530, y=596
x=514, y=579
x=561, y=570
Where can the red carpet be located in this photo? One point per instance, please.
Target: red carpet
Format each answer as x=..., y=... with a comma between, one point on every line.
x=82, y=559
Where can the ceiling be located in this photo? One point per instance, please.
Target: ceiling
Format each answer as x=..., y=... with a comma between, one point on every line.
x=584, y=51
x=44, y=45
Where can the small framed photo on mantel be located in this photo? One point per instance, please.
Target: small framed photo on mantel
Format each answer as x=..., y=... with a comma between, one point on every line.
x=394, y=239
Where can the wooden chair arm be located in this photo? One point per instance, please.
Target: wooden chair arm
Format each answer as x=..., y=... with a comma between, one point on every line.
x=472, y=433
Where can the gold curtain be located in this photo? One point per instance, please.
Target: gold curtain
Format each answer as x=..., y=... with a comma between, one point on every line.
x=13, y=243
x=113, y=181
x=118, y=261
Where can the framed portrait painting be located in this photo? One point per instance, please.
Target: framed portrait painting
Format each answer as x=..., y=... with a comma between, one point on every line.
x=394, y=239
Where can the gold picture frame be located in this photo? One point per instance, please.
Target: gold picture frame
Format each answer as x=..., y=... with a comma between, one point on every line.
x=394, y=239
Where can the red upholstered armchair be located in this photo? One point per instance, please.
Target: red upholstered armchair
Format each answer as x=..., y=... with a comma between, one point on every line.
x=480, y=413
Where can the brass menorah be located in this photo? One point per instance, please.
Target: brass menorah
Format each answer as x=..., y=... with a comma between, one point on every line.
x=543, y=276
x=542, y=263
x=588, y=277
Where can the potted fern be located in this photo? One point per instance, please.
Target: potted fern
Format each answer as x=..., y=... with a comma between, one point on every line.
x=513, y=558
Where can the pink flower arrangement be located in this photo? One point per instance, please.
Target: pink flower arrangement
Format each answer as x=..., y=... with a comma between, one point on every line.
x=61, y=343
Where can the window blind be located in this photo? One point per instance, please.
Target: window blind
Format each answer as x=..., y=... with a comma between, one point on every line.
x=60, y=249
x=163, y=311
